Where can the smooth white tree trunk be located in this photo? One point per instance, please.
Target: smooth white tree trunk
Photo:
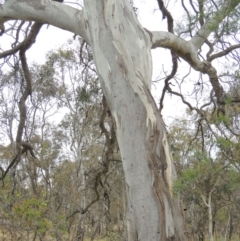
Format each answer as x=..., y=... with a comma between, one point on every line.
x=208, y=204
x=121, y=50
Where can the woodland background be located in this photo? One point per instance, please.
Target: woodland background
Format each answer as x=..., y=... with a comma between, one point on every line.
x=72, y=189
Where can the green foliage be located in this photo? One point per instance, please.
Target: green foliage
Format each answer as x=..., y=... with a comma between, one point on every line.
x=188, y=177
x=83, y=94
x=212, y=171
x=32, y=213
x=61, y=55
x=219, y=118
x=113, y=236
x=234, y=179
x=224, y=143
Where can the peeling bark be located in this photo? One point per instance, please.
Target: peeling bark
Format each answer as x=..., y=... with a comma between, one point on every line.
x=121, y=50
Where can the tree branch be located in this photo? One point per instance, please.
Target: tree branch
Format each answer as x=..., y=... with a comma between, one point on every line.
x=224, y=52
x=110, y=138
x=29, y=40
x=167, y=14
x=212, y=24
x=51, y=12
x=187, y=51
x=22, y=106
x=184, y=49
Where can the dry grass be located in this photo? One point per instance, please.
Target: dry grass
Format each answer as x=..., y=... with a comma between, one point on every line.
x=4, y=236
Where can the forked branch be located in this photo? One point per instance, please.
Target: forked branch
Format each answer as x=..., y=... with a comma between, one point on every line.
x=22, y=106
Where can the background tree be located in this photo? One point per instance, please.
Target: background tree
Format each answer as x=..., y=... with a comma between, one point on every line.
x=204, y=184
x=64, y=190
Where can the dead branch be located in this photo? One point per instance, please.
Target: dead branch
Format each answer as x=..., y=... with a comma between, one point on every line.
x=27, y=147
x=22, y=106
x=27, y=43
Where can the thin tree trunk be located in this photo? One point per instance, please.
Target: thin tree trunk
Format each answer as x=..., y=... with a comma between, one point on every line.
x=227, y=227
x=210, y=217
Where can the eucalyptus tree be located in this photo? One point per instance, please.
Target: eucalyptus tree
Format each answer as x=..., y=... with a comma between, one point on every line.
x=121, y=49
x=31, y=176
x=207, y=180
x=84, y=135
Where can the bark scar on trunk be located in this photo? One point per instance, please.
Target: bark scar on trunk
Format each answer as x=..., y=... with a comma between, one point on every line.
x=168, y=160
x=158, y=154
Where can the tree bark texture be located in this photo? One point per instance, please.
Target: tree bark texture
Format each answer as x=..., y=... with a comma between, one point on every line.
x=121, y=50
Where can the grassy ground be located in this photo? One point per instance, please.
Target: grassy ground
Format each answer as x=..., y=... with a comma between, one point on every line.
x=2, y=238
x=111, y=237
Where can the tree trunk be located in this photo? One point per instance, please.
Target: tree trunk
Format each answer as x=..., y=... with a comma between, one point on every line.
x=230, y=226
x=121, y=50
x=210, y=217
